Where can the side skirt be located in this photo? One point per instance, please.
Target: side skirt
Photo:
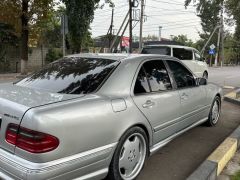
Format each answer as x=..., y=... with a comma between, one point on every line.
x=160, y=144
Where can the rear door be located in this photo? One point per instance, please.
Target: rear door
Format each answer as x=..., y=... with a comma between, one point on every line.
x=156, y=98
x=192, y=97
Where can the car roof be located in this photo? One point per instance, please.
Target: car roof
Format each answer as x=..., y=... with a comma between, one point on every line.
x=166, y=45
x=121, y=57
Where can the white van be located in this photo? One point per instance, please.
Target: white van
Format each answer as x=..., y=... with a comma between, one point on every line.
x=188, y=55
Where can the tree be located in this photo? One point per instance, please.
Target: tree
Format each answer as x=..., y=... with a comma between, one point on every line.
x=183, y=39
x=151, y=38
x=23, y=15
x=8, y=38
x=80, y=14
x=208, y=11
x=233, y=8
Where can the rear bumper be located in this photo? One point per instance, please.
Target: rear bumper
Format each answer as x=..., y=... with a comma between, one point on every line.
x=92, y=164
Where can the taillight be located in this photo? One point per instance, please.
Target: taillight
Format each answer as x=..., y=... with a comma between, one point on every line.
x=29, y=140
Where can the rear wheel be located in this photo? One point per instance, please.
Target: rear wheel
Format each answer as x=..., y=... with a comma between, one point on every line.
x=214, y=113
x=129, y=156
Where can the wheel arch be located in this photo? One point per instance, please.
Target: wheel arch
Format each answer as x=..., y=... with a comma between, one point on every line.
x=145, y=129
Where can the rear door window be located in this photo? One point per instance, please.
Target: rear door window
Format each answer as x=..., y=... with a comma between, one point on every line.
x=142, y=84
x=163, y=50
x=157, y=76
x=183, y=54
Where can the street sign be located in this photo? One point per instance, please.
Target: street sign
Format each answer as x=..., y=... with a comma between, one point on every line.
x=125, y=41
x=211, y=51
x=212, y=46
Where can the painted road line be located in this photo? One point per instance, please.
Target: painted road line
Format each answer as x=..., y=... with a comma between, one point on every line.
x=228, y=87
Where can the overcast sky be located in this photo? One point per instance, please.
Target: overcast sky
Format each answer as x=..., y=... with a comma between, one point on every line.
x=171, y=15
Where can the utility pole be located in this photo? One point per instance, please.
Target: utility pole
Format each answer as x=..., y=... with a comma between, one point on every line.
x=141, y=26
x=209, y=39
x=160, y=33
x=63, y=36
x=220, y=40
x=111, y=28
x=222, y=37
x=130, y=25
x=218, y=47
x=116, y=37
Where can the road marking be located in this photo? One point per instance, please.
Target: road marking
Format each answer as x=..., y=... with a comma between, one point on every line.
x=228, y=87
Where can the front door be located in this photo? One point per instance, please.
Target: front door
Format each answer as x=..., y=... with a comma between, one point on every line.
x=192, y=96
x=156, y=98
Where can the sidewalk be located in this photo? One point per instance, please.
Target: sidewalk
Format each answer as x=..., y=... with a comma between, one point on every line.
x=9, y=76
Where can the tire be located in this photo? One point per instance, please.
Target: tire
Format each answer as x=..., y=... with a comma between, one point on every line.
x=129, y=156
x=214, y=113
x=205, y=75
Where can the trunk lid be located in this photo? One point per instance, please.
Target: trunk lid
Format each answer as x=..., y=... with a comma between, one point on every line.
x=15, y=101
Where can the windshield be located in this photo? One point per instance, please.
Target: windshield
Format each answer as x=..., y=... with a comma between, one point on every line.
x=163, y=50
x=71, y=75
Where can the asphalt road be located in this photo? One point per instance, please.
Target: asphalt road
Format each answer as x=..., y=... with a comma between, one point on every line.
x=178, y=159
x=226, y=76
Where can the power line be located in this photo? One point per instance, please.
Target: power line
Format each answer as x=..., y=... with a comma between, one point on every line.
x=173, y=3
x=179, y=10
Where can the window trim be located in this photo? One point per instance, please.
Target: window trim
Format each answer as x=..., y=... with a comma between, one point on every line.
x=151, y=92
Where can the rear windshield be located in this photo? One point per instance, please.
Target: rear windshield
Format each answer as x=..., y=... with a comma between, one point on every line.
x=183, y=54
x=72, y=75
x=157, y=50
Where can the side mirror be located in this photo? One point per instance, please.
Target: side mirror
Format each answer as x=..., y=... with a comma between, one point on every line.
x=203, y=59
x=201, y=81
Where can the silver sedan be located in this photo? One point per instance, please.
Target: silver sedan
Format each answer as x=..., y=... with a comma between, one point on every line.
x=95, y=116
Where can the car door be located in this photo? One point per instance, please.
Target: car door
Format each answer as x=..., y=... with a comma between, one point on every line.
x=201, y=66
x=156, y=98
x=192, y=97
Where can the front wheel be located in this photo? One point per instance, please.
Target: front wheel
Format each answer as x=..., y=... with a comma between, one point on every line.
x=214, y=113
x=129, y=156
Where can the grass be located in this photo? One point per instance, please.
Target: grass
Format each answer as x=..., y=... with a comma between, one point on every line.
x=236, y=176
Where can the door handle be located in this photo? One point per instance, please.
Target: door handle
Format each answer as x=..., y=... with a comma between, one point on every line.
x=148, y=104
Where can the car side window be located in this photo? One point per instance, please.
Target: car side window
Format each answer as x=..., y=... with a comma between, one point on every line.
x=197, y=56
x=141, y=85
x=181, y=74
x=183, y=54
x=157, y=76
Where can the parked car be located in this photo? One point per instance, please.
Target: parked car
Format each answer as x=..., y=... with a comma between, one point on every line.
x=188, y=55
x=93, y=116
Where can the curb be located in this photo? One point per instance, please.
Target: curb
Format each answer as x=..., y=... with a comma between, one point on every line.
x=233, y=97
x=215, y=163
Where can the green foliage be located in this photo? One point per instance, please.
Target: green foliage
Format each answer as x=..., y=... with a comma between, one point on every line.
x=236, y=176
x=80, y=14
x=38, y=14
x=51, y=29
x=53, y=54
x=183, y=39
x=7, y=37
x=208, y=11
